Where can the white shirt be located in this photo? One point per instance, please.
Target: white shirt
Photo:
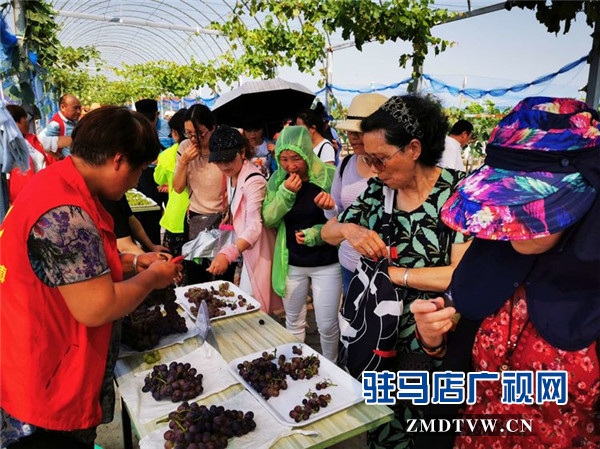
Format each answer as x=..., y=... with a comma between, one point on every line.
x=452, y=155
x=326, y=150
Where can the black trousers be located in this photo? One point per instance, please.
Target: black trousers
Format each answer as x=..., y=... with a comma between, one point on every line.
x=50, y=439
x=150, y=220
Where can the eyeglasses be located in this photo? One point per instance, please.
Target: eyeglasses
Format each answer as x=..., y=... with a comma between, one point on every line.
x=195, y=135
x=379, y=163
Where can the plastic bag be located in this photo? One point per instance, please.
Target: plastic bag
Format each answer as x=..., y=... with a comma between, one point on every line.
x=209, y=242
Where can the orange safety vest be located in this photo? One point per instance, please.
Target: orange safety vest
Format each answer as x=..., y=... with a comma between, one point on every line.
x=51, y=365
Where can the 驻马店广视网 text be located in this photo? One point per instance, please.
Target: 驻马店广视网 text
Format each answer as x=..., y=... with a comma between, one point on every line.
x=449, y=387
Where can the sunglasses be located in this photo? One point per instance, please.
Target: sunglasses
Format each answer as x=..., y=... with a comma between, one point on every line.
x=379, y=163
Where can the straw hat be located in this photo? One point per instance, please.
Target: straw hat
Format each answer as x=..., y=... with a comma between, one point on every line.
x=361, y=107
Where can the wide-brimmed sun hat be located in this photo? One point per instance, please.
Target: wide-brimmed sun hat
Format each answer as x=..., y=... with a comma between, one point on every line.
x=360, y=107
x=225, y=142
x=538, y=174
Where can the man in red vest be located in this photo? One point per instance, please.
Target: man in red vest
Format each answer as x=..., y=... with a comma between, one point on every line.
x=56, y=136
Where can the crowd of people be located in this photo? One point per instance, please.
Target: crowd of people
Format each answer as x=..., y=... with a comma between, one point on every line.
x=513, y=244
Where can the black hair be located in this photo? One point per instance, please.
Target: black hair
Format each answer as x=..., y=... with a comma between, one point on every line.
x=17, y=112
x=199, y=114
x=311, y=118
x=433, y=127
x=106, y=131
x=177, y=123
x=460, y=127
x=252, y=122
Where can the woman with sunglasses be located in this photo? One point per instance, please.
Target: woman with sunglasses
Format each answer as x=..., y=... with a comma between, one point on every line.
x=404, y=140
x=205, y=183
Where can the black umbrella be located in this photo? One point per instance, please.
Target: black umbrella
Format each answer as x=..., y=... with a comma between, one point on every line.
x=270, y=101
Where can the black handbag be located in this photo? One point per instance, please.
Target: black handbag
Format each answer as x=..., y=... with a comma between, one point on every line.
x=369, y=320
x=371, y=312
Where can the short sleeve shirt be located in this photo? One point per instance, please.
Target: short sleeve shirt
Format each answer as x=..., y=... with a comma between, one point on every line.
x=65, y=247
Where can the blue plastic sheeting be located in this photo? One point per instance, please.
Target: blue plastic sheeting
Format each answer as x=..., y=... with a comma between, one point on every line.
x=436, y=84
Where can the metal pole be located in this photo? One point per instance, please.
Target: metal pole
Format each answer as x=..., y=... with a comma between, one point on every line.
x=328, y=77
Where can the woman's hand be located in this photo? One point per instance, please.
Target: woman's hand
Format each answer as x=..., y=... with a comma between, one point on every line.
x=167, y=272
x=190, y=153
x=293, y=183
x=144, y=260
x=433, y=320
x=300, y=237
x=324, y=201
x=219, y=265
x=366, y=242
x=163, y=188
x=160, y=249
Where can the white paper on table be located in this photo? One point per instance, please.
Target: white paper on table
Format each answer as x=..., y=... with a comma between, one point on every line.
x=144, y=408
x=268, y=431
x=169, y=340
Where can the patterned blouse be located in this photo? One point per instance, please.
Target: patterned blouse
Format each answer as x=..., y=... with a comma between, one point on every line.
x=420, y=241
x=59, y=252
x=572, y=425
x=417, y=235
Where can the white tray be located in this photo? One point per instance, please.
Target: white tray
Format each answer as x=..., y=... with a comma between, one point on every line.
x=187, y=306
x=347, y=392
x=150, y=203
x=126, y=351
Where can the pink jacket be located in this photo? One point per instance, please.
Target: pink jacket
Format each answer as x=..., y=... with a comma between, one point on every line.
x=247, y=222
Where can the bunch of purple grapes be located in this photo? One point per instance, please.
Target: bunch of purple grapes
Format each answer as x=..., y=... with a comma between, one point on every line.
x=194, y=426
x=143, y=328
x=161, y=296
x=297, y=350
x=324, y=384
x=311, y=404
x=214, y=300
x=177, y=382
x=172, y=322
x=263, y=375
x=301, y=367
x=195, y=295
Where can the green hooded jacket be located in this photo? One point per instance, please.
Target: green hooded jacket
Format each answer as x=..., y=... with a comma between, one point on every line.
x=279, y=200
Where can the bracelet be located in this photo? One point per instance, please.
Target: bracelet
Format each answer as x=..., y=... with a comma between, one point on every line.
x=437, y=351
x=135, y=263
x=405, y=279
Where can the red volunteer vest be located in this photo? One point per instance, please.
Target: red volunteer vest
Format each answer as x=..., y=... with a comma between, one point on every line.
x=51, y=366
x=61, y=124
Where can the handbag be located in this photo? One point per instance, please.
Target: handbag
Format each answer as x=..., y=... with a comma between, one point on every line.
x=371, y=312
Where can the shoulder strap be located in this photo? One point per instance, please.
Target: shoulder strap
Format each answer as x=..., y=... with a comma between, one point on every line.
x=389, y=199
x=321, y=148
x=253, y=174
x=224, y=193
x=344, y=163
